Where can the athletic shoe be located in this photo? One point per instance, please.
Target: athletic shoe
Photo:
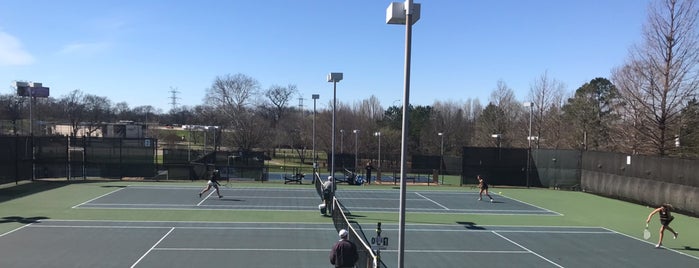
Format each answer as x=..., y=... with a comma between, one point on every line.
x=199, y=195
x=658, y=245
x=674, y=236
x=479, y=199
x=220, y=196
x=491, y=200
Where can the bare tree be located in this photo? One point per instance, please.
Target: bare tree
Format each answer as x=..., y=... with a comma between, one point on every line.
x=11, y=109
x=73, y=106
x=504, y=98
x=232, y=92
x=661, y=74
x=231, y=97
x=546, y=94
x=97, y=111
x=279, y=97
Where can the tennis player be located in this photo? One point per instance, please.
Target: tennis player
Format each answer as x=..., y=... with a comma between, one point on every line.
x=665, y=219
x=328, y=193
x=344, y=252
x=484, y=189
x=213, y=182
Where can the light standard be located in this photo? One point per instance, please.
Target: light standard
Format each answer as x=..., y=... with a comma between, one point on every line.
x=334, y=78
x=497, y=138
x=342, y=141
x=32, y=90
x=441, y=156
x=529, y=139
x=356, y=150
x=378, y=167
x=315, y=157
x=404, y=13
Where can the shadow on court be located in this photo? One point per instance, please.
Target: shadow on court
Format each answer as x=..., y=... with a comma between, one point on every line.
x=22, y=220
x=470, y=225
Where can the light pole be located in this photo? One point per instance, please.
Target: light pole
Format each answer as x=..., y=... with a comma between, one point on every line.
x=378, y=167
x=497, y=138
x=441, y=156
x=405, y=13
x=32, y=90
x=342, y=141
x=529, y=139
x=315, y=157
x=334, y=78
x=356, y=150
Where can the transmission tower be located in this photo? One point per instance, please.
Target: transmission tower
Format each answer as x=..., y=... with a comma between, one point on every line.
x=173, y=97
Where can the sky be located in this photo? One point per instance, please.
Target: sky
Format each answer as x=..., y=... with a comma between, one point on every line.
x=138, y=51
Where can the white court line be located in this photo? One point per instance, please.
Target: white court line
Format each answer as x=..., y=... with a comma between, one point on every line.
x=16, y=229
x=88, y=201
x=459, y=251
x=652, y=243
x=438, y=204
x=179, y=227
x=151, y=249
x=207, y=196
x=532, y=252
x=245, y=249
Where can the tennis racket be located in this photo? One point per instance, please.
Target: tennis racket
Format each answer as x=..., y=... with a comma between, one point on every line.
x=227, y=184
x=646, y=233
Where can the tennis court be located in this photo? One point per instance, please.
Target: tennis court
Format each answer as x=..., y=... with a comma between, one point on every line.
x=425, y=201
x=51, y=243
x=84, y=232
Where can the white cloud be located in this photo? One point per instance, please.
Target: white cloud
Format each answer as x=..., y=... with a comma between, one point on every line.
x=12, y=53
x=85, y=48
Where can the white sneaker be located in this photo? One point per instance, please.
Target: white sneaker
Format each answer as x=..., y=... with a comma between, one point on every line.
x=491, y=200
x=658, y=245
x=479, y=199
x=674, y=236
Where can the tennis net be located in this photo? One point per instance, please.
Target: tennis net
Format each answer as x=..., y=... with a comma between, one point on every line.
x=319, y=185
x=367, y=257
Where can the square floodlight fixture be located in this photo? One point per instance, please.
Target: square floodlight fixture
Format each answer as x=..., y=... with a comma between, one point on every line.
x=496, y=135
x=315, y=96
x=528, y=104
x=395, y=13
x=334, y=77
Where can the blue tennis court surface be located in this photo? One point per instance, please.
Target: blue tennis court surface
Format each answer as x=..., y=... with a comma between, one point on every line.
x=52, y=243
x=155, y=197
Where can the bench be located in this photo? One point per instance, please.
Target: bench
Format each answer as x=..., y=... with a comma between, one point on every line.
x=297, y=178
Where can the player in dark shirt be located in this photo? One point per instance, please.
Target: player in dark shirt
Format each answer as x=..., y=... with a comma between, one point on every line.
x=483, y=186
x=213, y=182
x=665, y=219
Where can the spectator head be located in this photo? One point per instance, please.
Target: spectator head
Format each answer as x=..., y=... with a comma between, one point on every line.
x=343, y=233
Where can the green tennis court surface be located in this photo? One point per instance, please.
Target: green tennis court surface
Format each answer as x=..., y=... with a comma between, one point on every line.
x=158, y=197
x=194, y=244
x=131, y=224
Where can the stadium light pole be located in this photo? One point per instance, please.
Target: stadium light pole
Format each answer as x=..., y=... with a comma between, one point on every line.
x=441, y=156
x=378, y=167
x=356, y=150
x=529, y=139
x=32, y=90
x=342, y=141
x=315, y=157
x=407, y=14
x=334, y=78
